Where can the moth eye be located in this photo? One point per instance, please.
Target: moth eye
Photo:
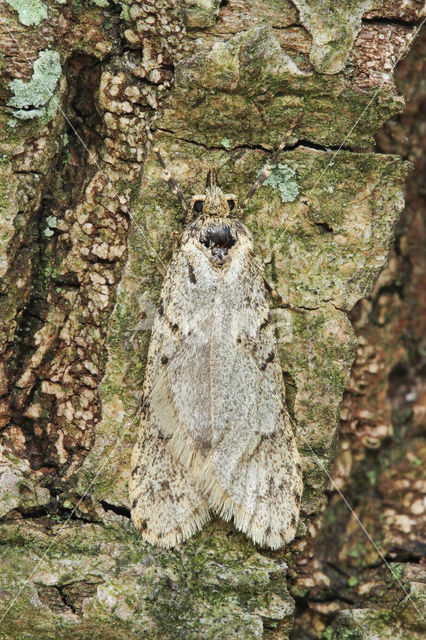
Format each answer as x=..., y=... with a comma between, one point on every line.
x=231, y=204
x=198, y=206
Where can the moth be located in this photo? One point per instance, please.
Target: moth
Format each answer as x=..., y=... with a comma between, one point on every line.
x=215, y=436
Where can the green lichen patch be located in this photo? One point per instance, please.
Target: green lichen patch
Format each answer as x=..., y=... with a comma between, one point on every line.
x=31, y=12
x=36, y=97
x=282, y=178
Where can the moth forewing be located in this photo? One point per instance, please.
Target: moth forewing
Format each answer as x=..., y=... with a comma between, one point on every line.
x=167, y=506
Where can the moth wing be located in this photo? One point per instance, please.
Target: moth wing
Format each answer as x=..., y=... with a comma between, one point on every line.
x=222, y=406
x=167, y=506
x=253, y=471
x=177, y=379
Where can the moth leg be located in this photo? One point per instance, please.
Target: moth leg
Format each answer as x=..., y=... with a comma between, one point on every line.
x=175, y=236
x=267, y=170
x=279, y=298
x=173, y=184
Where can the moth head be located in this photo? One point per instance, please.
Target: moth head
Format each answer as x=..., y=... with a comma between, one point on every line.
x=214, y=203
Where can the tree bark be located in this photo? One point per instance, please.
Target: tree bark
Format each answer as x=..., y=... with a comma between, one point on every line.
x=86, y=235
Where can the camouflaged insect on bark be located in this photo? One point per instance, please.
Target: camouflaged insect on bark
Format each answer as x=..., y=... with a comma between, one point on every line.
x=215, y=435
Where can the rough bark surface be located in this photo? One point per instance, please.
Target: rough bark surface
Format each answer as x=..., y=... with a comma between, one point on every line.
x=85, y=235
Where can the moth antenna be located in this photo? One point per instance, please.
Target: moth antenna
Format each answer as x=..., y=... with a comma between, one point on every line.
x=267, y=170
x=173, y=184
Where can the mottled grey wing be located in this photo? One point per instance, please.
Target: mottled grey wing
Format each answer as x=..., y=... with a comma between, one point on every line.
x=222, y=406
x=167, y=504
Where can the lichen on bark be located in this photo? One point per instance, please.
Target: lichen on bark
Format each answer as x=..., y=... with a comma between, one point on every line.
x=85, y=241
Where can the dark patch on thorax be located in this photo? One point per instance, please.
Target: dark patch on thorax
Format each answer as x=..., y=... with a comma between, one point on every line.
x=219, y=239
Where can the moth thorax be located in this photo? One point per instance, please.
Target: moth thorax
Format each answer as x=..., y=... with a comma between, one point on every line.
x=219, y=238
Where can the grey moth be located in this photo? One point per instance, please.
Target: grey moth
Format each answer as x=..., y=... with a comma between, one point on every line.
x=215, y=437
